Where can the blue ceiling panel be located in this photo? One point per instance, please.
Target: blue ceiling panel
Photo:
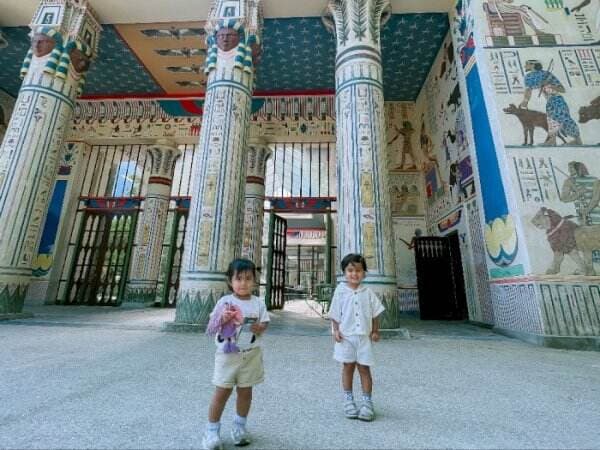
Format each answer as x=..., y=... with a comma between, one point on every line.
x=299, y=55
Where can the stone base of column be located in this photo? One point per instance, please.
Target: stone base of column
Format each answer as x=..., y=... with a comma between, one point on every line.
x=12, y=295
x=390, y=319
x=136, y=295
x=194, y=307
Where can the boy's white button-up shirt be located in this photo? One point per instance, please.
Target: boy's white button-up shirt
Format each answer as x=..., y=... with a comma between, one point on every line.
x=354, y=309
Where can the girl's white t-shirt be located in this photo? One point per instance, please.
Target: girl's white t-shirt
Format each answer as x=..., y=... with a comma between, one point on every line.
x=253, y=310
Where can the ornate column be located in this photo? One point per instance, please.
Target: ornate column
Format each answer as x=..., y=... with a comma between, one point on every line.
x=145, y=264
x=252, y=233
x=233, y=30
x=65, y=37
x=364, y=217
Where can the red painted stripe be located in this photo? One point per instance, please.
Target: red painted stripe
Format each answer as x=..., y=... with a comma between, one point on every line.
x=255, y=180
x=190, y=106
x=159, y=180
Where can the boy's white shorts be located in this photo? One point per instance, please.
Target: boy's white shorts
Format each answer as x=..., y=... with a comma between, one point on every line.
x=354, y=349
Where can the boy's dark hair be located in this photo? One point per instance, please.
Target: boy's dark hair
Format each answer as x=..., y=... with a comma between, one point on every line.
x=354, y=258
x=238, y=266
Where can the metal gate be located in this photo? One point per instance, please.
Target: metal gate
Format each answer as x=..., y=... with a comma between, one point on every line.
x=275, y=290
x=440, y=278
x=105, y=239
x=172, y=254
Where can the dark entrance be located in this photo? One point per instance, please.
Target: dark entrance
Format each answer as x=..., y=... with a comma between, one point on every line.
x=440, y=278
x=275, y=279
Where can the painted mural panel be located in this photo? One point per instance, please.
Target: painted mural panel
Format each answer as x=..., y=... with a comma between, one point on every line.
x=403, y=154
x=406, y=194
x=442, y=139
x=405, y=230
x=559, y=199
x=528, y=23
x=547, y=97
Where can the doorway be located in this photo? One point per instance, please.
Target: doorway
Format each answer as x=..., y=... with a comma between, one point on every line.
x=440, y=278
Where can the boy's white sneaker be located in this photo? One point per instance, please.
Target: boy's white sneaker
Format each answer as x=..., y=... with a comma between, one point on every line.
x=211, y=441
x=350, y=410
x=366, y=413
x=239, y=435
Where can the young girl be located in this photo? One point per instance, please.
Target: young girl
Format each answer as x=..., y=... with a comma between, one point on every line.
x=354, y=316
x=239, y=319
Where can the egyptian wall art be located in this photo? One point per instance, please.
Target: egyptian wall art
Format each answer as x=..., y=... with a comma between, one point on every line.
x=544, y=69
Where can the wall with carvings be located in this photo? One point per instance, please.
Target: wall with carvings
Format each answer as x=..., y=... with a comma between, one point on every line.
x=444, y=153
x=549, y=53
x=532, y=71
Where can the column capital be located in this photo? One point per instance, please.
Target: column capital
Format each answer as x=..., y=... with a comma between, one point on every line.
x=356, y=22
x=164, y=153
x=256, y=161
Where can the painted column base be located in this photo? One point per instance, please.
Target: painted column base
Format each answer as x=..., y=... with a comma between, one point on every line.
x=193, y=310
x=139, y=296
x=562, y=342
x=390, y=319
x=12, y=298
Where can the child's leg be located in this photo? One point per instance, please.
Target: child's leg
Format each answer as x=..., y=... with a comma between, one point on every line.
x=350, y=410
x=243, y=401
x=217, y=405
x=347, y=376
x=365, y=378
x=366, y=411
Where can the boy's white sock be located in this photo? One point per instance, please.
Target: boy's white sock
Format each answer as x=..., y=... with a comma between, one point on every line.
x=367, y=397
x=213, y=427
x=348, y=396
x=239, y=420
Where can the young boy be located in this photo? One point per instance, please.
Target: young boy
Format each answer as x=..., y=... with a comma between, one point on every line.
x=354, y=315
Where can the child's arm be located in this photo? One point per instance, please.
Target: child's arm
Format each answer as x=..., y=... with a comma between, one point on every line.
x=375, y=329
x=337, y=335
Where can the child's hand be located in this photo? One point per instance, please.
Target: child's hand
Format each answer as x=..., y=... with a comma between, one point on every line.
x=337, y=335
x=258, y=328
x=375, y=336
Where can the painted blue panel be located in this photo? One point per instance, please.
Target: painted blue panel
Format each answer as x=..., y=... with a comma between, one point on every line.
x=492, y=191
x=53, y=218
x=11, y=58
x=117, y=70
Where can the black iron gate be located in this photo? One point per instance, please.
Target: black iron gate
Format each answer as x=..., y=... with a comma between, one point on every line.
x=172, y=254
x=275, y=289
x=99, y=272
x=440, y=278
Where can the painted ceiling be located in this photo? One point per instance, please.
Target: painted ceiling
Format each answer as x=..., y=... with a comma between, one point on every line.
x=299, y=56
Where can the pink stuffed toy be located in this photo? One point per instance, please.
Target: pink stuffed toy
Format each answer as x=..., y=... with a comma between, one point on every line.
x=225, y=331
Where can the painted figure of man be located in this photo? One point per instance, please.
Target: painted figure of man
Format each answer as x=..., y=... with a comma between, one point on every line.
x=584, y=191
x=527, y=14
x=557, y=111
x=407, y=149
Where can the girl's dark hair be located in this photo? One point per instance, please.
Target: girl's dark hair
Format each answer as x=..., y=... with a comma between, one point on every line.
x=354, y=258
x=238, y=266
